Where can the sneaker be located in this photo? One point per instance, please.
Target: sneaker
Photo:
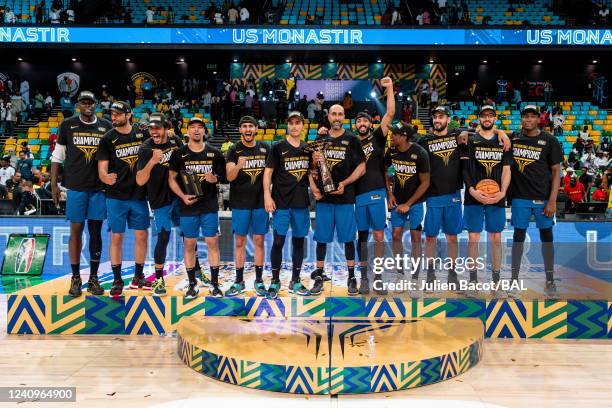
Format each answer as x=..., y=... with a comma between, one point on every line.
x=551, y=291
x=93, y=286
x=236, y=289
x=297, y=288
x=383, y=291
x=317, y=287
x=273, y=290
x=431, y=277
x=260, y=288
x=140, y=282
x=514, y=293
x=159, y=287
x=117, y=288
x=472, y=293
x=352, y=286
x=203, y=281
x=75, y=286
x=215, y=291
x=364, y=286
x=498, y=294
x=192, y=291
x=325, y=277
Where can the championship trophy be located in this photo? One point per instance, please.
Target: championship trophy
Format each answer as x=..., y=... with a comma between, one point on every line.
x=319, y=146
x=192, y=184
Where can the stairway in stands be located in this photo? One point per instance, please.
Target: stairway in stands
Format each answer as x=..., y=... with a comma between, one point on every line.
x=32, y=122
x=229, y=128
x=423, y=116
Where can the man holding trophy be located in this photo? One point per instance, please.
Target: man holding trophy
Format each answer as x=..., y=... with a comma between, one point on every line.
x=340, y=162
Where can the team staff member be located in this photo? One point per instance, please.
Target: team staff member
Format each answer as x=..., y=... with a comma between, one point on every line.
x=77, y=144
x=407, y=192
x=336, y=211
x=246, y=161
x=286, y=197
x=153, y=162
x=198, y=215
x=370, y=190
x=485, y=158
x=535, y=184
x=125, y=200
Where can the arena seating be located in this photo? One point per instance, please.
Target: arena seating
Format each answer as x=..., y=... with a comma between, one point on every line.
x=535, y=14
x=335, y=13
x=577, y=115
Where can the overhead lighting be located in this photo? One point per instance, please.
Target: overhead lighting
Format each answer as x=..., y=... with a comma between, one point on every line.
x=287, y=60
x=19, y=59
x=431, y=61
x=181, y=60
x=235, y=59
x=401, y=94
x=539, y=61
x=331, y=60
x=263, y=99
x=379, y=60
x=350, y=92
x=456, y=74
x=594, y=61
x=128, y=60
x=484, y=61
x=297, y=93
x=73, y=59
x=214, y=72
x=373, y=94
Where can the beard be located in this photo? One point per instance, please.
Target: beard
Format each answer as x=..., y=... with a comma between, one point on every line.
x=439, y=127
x=363, y=130
x=485, y=127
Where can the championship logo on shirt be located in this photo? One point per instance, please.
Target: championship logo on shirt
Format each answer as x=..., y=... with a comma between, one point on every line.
x=128, y=153
x=404, y=171
x=368, y=149
x=297, y=166
x=443, y=147
x=199, y=168
x=334, y=155
x=87, y=143
x=524, y=155
x=254, y=166
x=165, y=160
x=488, y=157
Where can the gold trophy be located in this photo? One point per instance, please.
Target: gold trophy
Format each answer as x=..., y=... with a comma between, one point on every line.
x=319, y=146
x=192, y=184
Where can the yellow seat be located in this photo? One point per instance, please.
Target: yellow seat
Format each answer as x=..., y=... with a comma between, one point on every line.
x=192, y=8
x=192, y=18
x=344, y=22
x=508, y=14
x=546, y=18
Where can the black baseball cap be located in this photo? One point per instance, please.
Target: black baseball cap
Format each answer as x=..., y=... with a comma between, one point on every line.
x=530, y=108
x=295, y=114
x=486, y=108
x=121, y=107
x=402, y=128
x=363, y=114
x=157, y=120
x=196, y=119
x=247, y=119
x=441, y=109
x=86, y=96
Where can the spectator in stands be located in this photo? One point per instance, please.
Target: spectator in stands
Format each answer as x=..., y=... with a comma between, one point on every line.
x=248, y=104
x=302, y=106
x=144, y=117
x=206, y=101
x=396, y=17
x=227, y=144
x=281, y=110
x=256, y=107
x=312, y=109
x=24, y=166
x=6, y=171
x=502, y=86
x=424, y=94
x=70, y=13
x=575, y=191
x=517, y=98
x=54, y=15
x=9, y=16
x=544, y=118
x=569, y=173
x=558, y=122
x=66, y=105
x=149, y=15
x=599, y=194
x=406, y=113
x=548, y=91
x=347, y=104
x=218, y=17
x=5, y=109
x=420, y=19
x=39, y=103
x=24, y=91
x=244, y=15
x=434, y=96
x=48, y=103
x=600, y=161
x=584, y=135
x=232, y=15
x=52, y=143
x=28, y=202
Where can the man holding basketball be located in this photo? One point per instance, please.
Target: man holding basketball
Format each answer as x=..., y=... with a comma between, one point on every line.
x=486, y=174
x=535, y=183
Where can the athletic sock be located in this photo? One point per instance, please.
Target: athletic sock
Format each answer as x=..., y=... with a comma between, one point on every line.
x=116, y=271
x=351, y=271
x=473, y=276
x=139, y=270
x=295, y=273
x=239, y=274
x=496, y=276
x=197, y=264
x=275, y=274
x=76, y=270
x=258, y=273
x=214, y=275
x=550, y=276
x=363, y=269
x=191, y=276
x=159, y=272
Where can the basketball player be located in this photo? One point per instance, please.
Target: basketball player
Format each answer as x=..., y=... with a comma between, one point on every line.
x=76, y=147
x=484, y=158
x=407, y=192
x=370, y=190
x=246, y=161
x=125, y=200
x=535, y=183
x=336, y=211
x=286, y=197
x=443, y=196
x=198, y=215
x=153, y=162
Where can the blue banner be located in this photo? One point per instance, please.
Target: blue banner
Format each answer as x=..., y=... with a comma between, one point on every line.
x=306, y=36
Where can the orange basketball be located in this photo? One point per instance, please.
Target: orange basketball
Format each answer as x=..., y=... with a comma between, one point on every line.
x=488, y=186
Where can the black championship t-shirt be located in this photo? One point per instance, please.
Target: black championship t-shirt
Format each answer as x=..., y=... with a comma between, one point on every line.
x=209, y=160
x=342, y=156
x=121, y=151
x=290, y=178
x=485, y=159
x=158, y=190
x=373, y=147
x=246, y=191
x=407, y=167
x=445, y=163
x=81, y=141
x=533, y=159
